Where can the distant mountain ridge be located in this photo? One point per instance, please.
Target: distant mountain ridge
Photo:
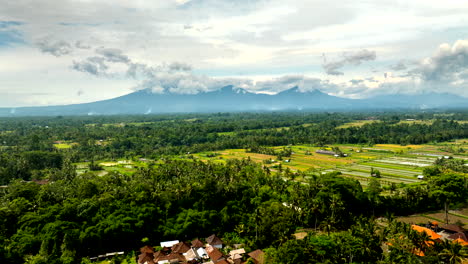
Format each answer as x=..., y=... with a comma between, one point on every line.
x=231, y=99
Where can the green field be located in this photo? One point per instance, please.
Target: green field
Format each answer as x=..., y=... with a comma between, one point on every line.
x=396, y=163
x=358, y=123
x=64, y=145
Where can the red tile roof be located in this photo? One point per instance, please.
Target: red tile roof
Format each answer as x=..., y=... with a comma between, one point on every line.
x=180, y=247
x=453, y=228
x=258, y=255
x=197, y=243
x=214, y=240
x=147, y=249
x=214, y=253
x=146, y=258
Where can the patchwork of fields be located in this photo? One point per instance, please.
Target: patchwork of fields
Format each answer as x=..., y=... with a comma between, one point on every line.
x=396, y=164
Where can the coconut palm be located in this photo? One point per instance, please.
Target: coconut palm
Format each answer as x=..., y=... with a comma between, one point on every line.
x=453, y=252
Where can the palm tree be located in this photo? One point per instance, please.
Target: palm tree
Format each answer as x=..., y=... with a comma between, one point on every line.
x=453, y=252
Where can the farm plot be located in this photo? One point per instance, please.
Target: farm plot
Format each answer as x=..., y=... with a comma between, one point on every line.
x=357, y=123
x=298, y=160
x=424, y=218
x=415, y=159
x=361, y=175
x=365, y=172
x=379, y=165
x=405, y=161
x=386, y=171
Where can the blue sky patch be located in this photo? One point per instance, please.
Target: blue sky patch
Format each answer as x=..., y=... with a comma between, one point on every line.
x=7, y=24
x=10, y=37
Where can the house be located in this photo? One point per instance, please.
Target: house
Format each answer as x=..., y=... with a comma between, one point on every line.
x=196, y=243
x=258, y=256
x=214, y=241
x=235, y=256
x=214, y=254
x=146, y=256
x=191, y=255
x=169, y=244
x=452, y=229
x=162, y=257
x=180, y=247
x=201, y=252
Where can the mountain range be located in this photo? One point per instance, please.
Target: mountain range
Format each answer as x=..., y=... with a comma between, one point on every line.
x=231, y=99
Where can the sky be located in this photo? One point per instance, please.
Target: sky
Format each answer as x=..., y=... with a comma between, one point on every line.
x=55, y=52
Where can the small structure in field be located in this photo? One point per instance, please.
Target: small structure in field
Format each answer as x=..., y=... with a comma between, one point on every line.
x=325, y=152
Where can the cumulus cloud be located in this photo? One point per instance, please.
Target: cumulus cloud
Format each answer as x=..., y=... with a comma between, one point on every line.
x=99, y=65
x=448, y=64
x=92, y=65
x=56, y=48
x=354, y=58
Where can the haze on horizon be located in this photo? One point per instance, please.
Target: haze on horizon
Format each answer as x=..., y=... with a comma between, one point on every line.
x=74, y=51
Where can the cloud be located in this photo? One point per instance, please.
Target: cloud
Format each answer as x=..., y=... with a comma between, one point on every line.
x=355, y=58
x=113, y=55
x=56, y=48
x=400, y=66
x=100, y=65
x=80, y=45
x=92, y=65
x=355, y=81
x=86, y=66
x=448, y=64
x=179, y=66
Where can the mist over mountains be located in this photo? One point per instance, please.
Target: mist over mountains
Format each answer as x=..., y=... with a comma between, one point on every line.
x=231, y=99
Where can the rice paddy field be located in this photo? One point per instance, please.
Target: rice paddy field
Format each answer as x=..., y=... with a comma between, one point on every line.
x=454, y=217
x=396, y=163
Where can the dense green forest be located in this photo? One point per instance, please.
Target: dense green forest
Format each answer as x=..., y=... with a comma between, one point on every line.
x=75, y=216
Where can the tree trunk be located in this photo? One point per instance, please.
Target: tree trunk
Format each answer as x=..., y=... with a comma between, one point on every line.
x=446, y=212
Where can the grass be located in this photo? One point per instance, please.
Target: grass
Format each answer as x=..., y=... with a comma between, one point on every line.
x=62, y=146
x=416, y=121
x=357, y=123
